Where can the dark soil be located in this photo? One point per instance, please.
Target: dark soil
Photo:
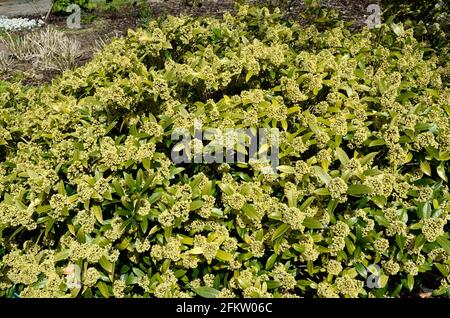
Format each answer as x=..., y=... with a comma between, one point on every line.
x=349, y=10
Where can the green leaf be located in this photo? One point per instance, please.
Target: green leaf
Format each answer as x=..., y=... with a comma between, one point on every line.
x=361, y=270
x=401, y=241
x=273, y=284
x=250, y=211
x=379, y=200
x=441, y=172
x=130, y=182
x=358, y=189
x=410, y=282
x=195, y=205
x=103, y=288
x=377, y=142
x=423, y=126
x=226, y=188
x=397, y=30
x=280, y=231
x=64, y=254
x=383, y=280
x=293, y=109
x=139, y=273
x=107, y=195
x=110, y=126
x=420, y=240
x=444, y=243
x=425, y=167
x=155, y=197
x=442, y=269
x=286, y=169
x=207, y=292
x=144, y=224
x=131, y=279
x=415, y=226
x=271, y=261
x=97, y=213
x=118, y=188
x=312, y=223
x=322, y=191
x=43, y=208
x=350, y=246
x=146, y=163
x=218, y=33
x=292, y=197
x=324, y=176
x=426, y=211
x=248, y=76
x=397, y=290
x=196, y=251
x=81, y=237
x=106, y=265
x=444, y=156
x=364, y=160
x=306, y=203
x=224, y=256
x=332, y=205
x=310, y=268
x=342, y=156
x=49, y=226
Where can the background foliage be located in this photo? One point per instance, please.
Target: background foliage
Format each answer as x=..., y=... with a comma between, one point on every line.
x=60, y=6
x=430, y=19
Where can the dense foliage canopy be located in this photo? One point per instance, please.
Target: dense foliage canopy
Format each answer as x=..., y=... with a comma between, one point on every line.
x=88, y=190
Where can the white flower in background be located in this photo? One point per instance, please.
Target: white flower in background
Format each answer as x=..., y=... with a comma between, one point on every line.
x=12, y=24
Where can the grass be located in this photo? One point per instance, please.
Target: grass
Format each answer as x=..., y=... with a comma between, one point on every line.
x=47, y=49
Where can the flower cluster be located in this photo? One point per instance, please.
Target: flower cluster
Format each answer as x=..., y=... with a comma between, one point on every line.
x=13, y=24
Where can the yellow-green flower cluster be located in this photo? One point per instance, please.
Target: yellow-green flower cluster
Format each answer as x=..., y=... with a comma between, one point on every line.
x=337, y=188
x=334, y=267
x=294, y=217
x=348, y=286
x=433, y=228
